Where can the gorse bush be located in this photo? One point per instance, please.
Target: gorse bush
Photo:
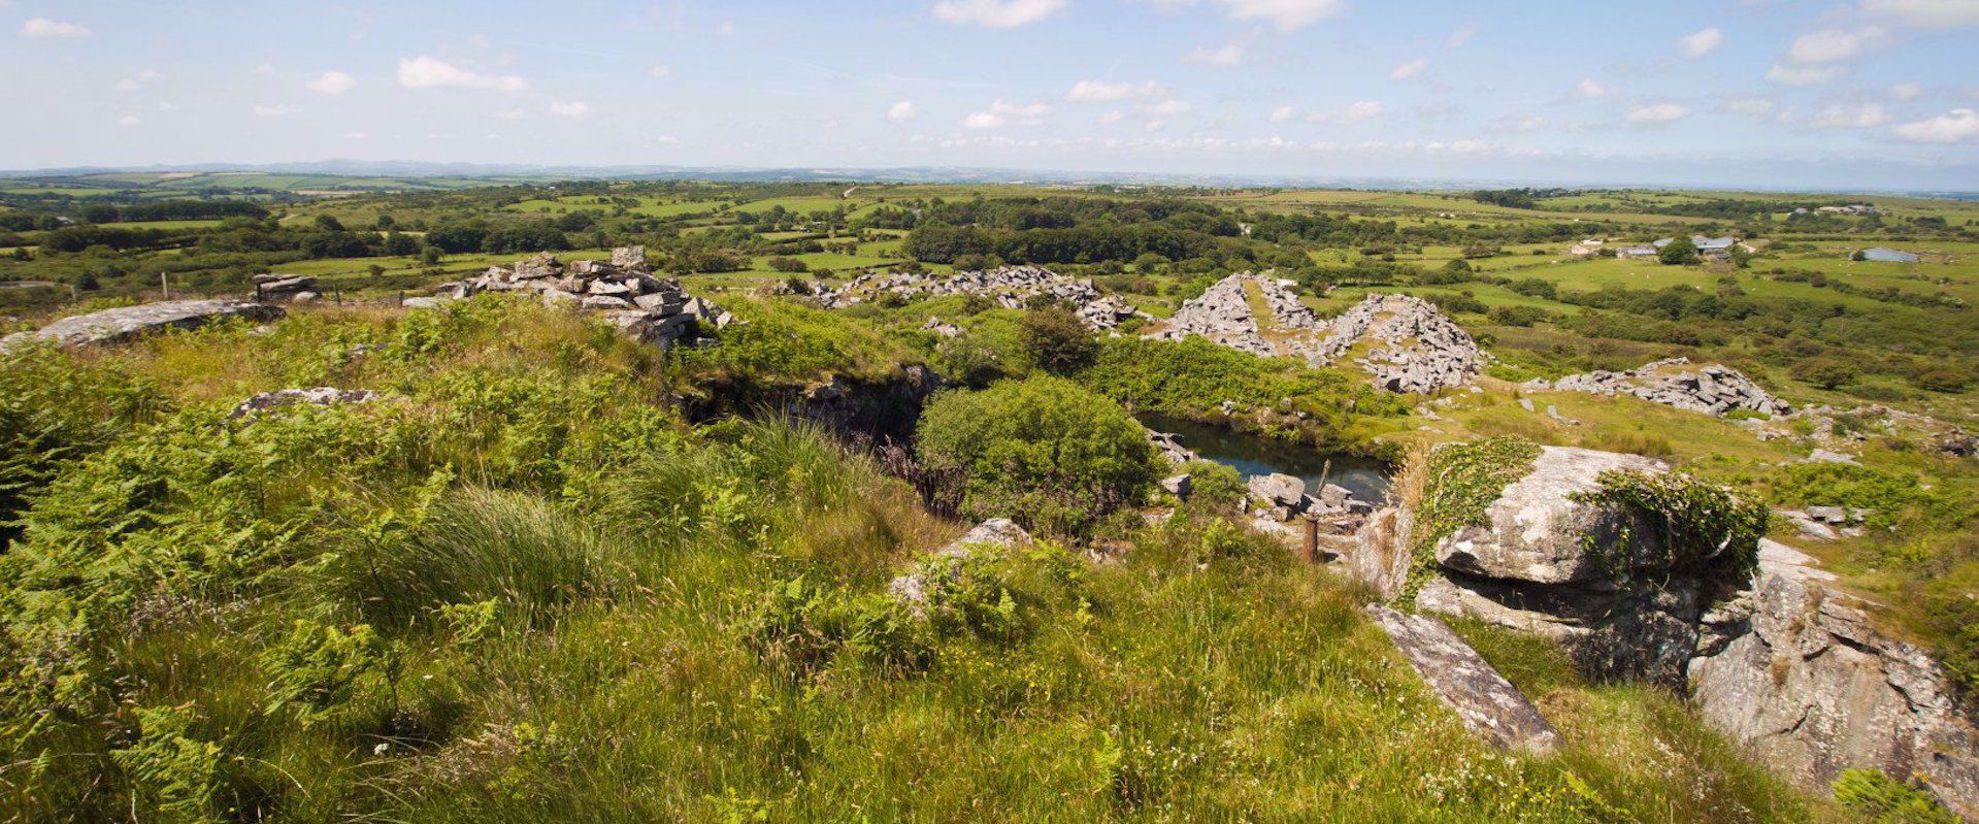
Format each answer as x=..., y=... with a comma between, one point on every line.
x=1042, y=451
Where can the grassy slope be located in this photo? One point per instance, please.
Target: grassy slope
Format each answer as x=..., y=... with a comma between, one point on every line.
x=1205, y=678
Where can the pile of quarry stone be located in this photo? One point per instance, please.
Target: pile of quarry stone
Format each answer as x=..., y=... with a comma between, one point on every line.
x=1012, y=287
x=1420, y=349
x=285, y=288
x=1784, y=664
x=1222, y=314
x=1823, y=427
x=1424, y=350
x=127, y=323
x=623, y=290
x=1714, y=389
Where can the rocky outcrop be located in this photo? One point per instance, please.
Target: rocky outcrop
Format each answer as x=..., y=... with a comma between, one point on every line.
x=130, y=322
x=1542, y=558
x=317, y=396
x=916, y=588
x=622, y=290
x=1713, y=390
x=1415, y=347
x=1793, y=671
x=1487, y=703
x=1012, y=287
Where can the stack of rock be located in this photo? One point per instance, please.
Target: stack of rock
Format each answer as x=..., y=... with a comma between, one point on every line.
x=1714, y=390
x=1222, y=314
x=1012, y=287
x=1425, y=351
x=623, y=290
x=288, y=288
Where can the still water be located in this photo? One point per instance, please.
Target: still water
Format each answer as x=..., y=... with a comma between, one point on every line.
x=1251, y=455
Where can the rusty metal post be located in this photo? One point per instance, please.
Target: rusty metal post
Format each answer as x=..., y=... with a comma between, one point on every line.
x=1311, y=553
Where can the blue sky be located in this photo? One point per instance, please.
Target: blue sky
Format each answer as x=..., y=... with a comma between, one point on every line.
x=1780, y=93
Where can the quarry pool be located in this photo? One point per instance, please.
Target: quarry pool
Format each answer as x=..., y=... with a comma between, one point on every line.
x=1252, y=455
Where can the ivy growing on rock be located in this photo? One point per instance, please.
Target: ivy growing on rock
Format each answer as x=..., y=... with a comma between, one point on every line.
x=1458, y=483
x=1697, y=527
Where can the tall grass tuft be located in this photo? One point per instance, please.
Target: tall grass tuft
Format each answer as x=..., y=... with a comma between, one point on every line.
x=478, y=545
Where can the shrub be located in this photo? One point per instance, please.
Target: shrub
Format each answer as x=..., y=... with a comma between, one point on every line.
x=1943, y=379
x=1213, y=486
x=1042, y=451
x=1702, y=527
x=787, y=264
x=1519, y=315
x=1056, y=341
x=1827, y=373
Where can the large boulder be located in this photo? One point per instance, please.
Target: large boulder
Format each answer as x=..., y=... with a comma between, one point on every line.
x=1795, y=672
x=126, y=323
x=1537, y=529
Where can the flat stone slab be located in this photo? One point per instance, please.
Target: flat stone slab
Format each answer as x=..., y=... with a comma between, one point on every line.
x=1488, y=704
x=129, y=322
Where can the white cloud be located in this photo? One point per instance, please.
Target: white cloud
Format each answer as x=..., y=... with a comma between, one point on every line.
x=1409, y=69
x=1927, y=14
x=1589, y=87
x=44, y=27
x=1461, y=36
x=1701, y=42
x=1111, y=117
x=1100, y=91
x=1228, y=54
x=277, y=110
x=355, y=135
x=1850, y=116
x=424, y=72
x=726, y=29
x=128, y=120
x=1754, y=106
x=1168, y=107
x=1831, y=46
x=1283, y=113
x=264, y=70
x=139, y=80
x=1525, y=124
x=1956, y=126
x=1906, y=91
x=331, y=83
x=1287, y=15
x=511, y=114
x=1657, y=113
x=660, y=70
x=1008, y=114
x=997, y=14
x=901, y=112
x=1354, y=113
x=574, y=108
x=1786, y=75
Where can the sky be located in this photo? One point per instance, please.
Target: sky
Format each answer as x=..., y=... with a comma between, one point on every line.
x=1872, y=94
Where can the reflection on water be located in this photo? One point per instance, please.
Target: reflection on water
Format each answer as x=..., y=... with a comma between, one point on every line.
x=1251, y=455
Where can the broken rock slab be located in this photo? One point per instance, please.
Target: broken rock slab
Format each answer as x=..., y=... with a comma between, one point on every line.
x=1487, y=703
x=916, y=587
x=316, y=396
x=127, y=323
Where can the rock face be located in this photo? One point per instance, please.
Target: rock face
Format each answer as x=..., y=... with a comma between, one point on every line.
x=1415, y=347
x=280, y=287
x=1713, y=390
x=1794, y=672
x=318, y=396
x=129, y=322
x=651, y=309
x=1012, y=287
x=1488, y=704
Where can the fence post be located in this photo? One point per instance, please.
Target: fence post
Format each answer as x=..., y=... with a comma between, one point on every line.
x=164, y=286
x=1311, y=551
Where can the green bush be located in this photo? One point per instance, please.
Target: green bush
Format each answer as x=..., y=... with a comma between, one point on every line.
x=1056, y=341
x=1042, y=451
x=1213, y=486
